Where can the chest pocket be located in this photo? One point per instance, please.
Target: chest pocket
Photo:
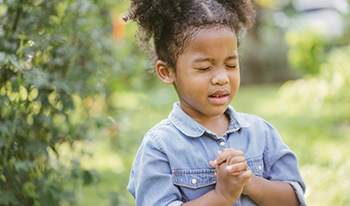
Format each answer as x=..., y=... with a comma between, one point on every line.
x=256, y=165
x=194, y=179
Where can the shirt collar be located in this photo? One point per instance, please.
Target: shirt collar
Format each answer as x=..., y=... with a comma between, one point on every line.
x=191, y=128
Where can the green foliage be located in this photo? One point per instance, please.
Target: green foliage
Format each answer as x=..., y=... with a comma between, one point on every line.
x=62, y=79
x=327, y=93
x=321, y=144
x=263, y=55
x=263, y=50
x=55, y=57
x=316, y=112
x=307, y=50
x=325, y=88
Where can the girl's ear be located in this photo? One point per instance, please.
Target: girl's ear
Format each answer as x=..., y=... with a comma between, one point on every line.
x=164, y=72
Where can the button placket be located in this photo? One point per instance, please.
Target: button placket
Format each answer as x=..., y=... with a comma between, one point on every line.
x=222, y=143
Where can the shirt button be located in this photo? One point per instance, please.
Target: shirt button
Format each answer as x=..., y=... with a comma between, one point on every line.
x=194, y=181
x=222, y=144
x=260, y=168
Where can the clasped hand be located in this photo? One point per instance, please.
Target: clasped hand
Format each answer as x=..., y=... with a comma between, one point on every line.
x=232, y=174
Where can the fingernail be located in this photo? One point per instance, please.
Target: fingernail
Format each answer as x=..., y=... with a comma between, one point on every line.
x=215, y=162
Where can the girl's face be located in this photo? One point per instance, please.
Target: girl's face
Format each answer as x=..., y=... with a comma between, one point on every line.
x=207, y=73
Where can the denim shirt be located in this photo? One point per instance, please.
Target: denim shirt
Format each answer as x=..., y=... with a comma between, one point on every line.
x=172, y=164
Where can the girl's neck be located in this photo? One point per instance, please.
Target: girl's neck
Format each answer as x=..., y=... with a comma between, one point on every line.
x=219, y=124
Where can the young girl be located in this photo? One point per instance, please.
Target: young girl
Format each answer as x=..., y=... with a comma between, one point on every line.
x=205, y=153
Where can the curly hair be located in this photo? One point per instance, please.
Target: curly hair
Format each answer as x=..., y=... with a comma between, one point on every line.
x=170, y=23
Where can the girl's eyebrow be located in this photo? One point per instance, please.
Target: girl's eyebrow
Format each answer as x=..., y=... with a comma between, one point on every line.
x=211, y=59
x=203, y=59
x=235, y=56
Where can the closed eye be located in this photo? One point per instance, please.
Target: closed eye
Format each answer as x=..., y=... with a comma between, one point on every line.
x=231, y=67
x=204, y=69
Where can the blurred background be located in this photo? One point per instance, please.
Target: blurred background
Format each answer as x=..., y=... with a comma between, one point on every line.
x=76, y=96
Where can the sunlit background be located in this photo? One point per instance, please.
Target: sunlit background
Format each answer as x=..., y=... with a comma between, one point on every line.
x=79, y=148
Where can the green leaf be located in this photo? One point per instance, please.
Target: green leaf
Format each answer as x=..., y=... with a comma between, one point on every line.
x=90, y=176
x=3, y=9
x=68, y=196
x=24, y=165
x=35, y=147
x=55, y=19
x=14, y=62
x=46, y=199
x=29, y=188
x=4, y=129
x=2, y=141
x=2, y=58
x=87, y=177
x=7, y=198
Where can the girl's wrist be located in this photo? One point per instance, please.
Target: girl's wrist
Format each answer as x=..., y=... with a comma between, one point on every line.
x=224, y=200
x=249, y=187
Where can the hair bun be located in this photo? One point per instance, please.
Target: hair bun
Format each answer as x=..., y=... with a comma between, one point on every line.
x=153, y=15
x=168, y=21
x=244, y=8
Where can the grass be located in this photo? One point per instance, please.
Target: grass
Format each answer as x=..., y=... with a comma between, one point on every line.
x=321, y=145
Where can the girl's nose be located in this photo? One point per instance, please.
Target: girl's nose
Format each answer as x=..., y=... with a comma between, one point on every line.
x=220, y=76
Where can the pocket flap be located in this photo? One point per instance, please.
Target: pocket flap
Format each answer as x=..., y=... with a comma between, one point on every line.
x=256, y=165
x=196, y=178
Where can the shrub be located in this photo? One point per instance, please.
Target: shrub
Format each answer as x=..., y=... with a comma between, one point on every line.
x=55, y=56
x=324, y=89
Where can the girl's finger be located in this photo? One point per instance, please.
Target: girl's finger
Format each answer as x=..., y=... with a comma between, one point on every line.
x=236, y=159
x=219, y=159
x=227, y=155
x=237, y=168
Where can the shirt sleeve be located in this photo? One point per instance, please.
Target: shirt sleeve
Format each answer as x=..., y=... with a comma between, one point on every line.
x=298, y=191
x=176, y=203
x=282, y=163
x=151, y=180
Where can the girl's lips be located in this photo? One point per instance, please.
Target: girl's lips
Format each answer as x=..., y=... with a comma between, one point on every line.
x=216, y=96
x=220, y=93
x=219, y=99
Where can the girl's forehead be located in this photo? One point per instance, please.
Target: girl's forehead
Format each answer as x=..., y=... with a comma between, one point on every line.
x=211, y=34
x=205, y=41
x=216, y=45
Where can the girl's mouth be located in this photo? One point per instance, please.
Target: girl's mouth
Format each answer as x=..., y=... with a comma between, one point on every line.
x=219, y=98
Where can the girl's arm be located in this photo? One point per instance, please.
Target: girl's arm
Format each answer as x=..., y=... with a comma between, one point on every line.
x=266, y=192
x=211, y=198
